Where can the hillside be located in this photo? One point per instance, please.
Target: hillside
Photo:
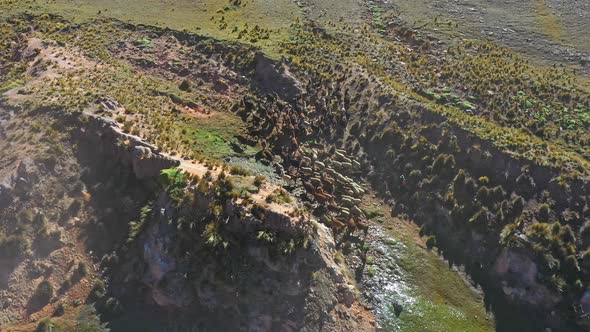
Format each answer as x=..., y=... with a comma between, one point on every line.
x=294, y=165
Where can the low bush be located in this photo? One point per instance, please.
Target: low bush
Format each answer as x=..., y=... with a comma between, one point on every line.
x=45, y=325
x=12, y=246
x=544, y=212
x=43, y=293
x=186, y=85
x=430, y=242
x=259, y=180
x=237, y=170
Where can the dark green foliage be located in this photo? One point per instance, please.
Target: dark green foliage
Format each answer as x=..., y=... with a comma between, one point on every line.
x=392, y=135
x=98, y=290
x=470, y=187
x=81, y=271
x=112, y=306
x=186, y=85
x=570, y=266
x=525, y=185
x=430, y=242
x=544, y=212
x=43, y=293
x=585, y=234
x=259, y=180
x=483, y=195
x=414, y=177
x=481, y=219
x=444, y=165
x=60, y=310
x=497, y=194
x=172, y=177
x=517, y=206
x=459, y=182
x=12, y=246
x=67, y=284
x=555, y=229
x=507, y=235
x=566, y=234
x=539, y=232
x=135, y=227
x=585, y=260
x=237, y=170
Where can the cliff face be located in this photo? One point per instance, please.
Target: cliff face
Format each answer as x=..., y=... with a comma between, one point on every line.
x=287, y=282
x=247, y=284
x=103, y=136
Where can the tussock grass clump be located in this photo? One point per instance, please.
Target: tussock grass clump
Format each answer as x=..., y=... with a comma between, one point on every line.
x=279, y=196
x=43, y=293
x=238, y=170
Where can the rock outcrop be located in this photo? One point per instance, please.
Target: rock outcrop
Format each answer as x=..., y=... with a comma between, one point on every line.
x=251, y=284
x=104, y=137
x=273, y=78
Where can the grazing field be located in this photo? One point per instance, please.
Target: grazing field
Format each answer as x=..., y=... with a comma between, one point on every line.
x=546, y=29
x=221, y=19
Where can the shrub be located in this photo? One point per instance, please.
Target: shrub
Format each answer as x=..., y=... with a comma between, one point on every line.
x=444, y=165
x=459, y=182
x=43, y=293
x=507, y=235
x=172, y=178
x=59, y=310
x=113, y=306
x=555, y=229
x=482, y=218
x=67, y=284
x=237, y=170
x=266, y=236
x=517, y=206
x=89, y=321
x=186, y=85
x=525, y=185
x=430, y=242
x=497, y=193
x=12, y=246
x=586, y=260
x=567, y=235
x=82, y=270
x=483, y=195
x=259, y=180
x=570, y=266
x=484, y=180
x=470, y=187
x=539, y=231
x=278, y=196
x=45, y=325
x=225, y=187
x=585, y=234
x=544, y=212
x=98, y=290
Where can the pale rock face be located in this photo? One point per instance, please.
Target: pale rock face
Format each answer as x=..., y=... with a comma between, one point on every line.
x=520, y=279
